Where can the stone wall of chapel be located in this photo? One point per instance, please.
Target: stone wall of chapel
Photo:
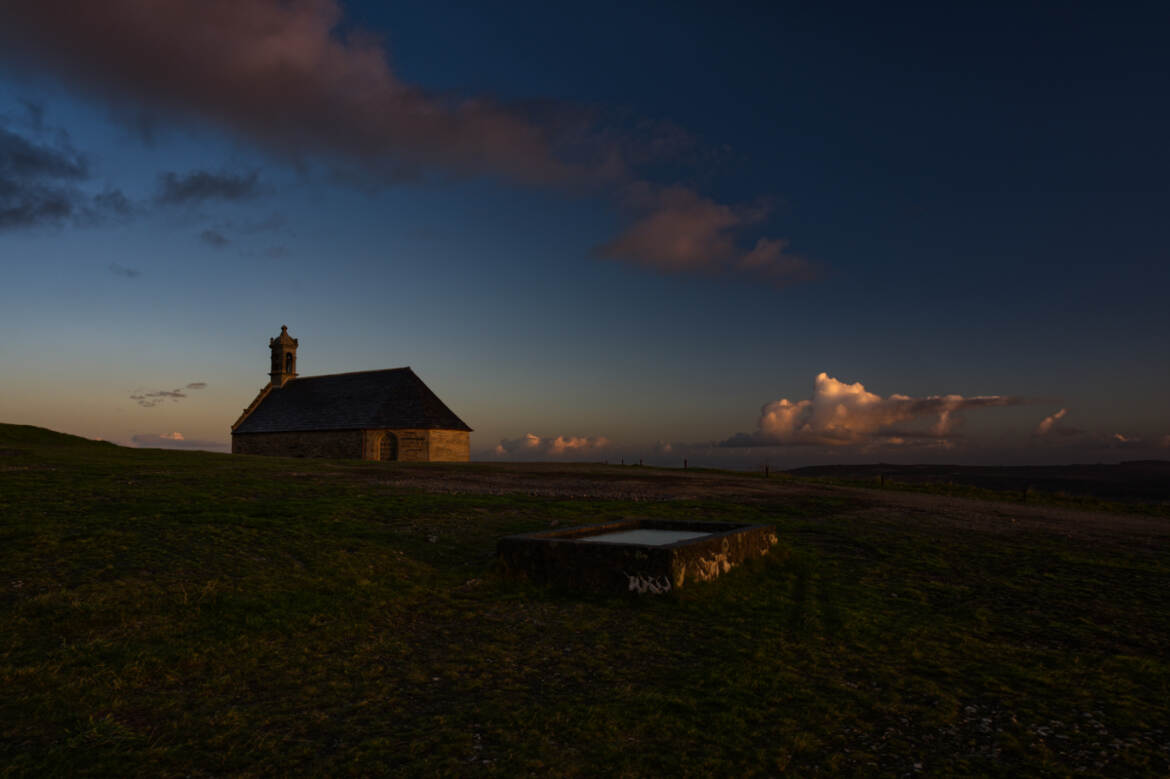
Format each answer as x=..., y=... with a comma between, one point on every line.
x=336, y=444
x=450, y=446
x=412, y=444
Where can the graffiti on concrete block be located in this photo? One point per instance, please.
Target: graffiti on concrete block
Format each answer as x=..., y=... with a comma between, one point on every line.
x=655, y=585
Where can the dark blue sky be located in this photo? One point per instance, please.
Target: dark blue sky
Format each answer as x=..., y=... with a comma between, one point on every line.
x=586, y=243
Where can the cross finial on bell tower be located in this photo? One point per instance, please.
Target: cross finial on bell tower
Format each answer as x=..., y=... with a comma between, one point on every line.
x=284, y=357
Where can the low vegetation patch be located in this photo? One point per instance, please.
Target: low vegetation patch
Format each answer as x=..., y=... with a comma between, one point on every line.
x=191, y=613
x=1140, y=486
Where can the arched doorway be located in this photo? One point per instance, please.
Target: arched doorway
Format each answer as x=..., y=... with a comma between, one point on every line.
x=388, y=447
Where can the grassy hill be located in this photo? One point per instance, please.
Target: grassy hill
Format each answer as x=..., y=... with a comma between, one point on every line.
x=26, y=435
x=192, y=613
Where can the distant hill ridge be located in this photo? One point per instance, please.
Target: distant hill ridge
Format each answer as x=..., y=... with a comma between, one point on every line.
x=1132, y=480
x=30, y=434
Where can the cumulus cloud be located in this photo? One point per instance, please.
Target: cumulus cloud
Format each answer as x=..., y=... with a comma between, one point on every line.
x=843, y=414
x=1046, y=424
x=201, y=185
x=152, y=399
x=531, y=445
x=175, y=440
x=295, y=78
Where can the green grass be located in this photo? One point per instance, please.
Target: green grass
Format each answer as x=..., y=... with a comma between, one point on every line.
x=1030, y=496
x=168, y=613
x=1033, y=496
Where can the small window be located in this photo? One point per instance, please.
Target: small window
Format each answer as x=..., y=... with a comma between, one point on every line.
x=288, y=362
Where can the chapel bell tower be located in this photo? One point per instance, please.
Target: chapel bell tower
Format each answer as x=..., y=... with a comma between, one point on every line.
x=284, y=357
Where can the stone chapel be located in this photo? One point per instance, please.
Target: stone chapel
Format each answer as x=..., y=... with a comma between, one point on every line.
x=370, y=415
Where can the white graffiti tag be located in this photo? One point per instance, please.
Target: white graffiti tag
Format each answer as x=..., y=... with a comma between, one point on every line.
x=655, y=585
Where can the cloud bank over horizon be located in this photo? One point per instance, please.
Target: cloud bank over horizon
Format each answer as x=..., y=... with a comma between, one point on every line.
x=846, y=423
x=532, y=446
x=175, y=440
x=841, y=414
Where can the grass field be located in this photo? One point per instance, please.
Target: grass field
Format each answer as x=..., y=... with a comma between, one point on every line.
x=166, y=613
x=1138, y=486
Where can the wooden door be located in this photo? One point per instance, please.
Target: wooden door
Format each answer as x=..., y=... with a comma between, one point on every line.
x=388, y=447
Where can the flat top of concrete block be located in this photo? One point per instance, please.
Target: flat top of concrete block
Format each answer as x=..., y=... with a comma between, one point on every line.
x=693, y=532
x=644, y=537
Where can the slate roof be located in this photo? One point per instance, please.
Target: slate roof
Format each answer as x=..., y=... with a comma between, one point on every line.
x=394, y=398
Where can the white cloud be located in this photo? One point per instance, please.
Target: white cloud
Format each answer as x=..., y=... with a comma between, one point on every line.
x=1046, y=424
x=175, y=440
x=532, y=445
x=841, y=414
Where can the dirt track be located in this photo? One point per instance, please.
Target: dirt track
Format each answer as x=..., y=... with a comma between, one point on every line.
x=655, y=484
